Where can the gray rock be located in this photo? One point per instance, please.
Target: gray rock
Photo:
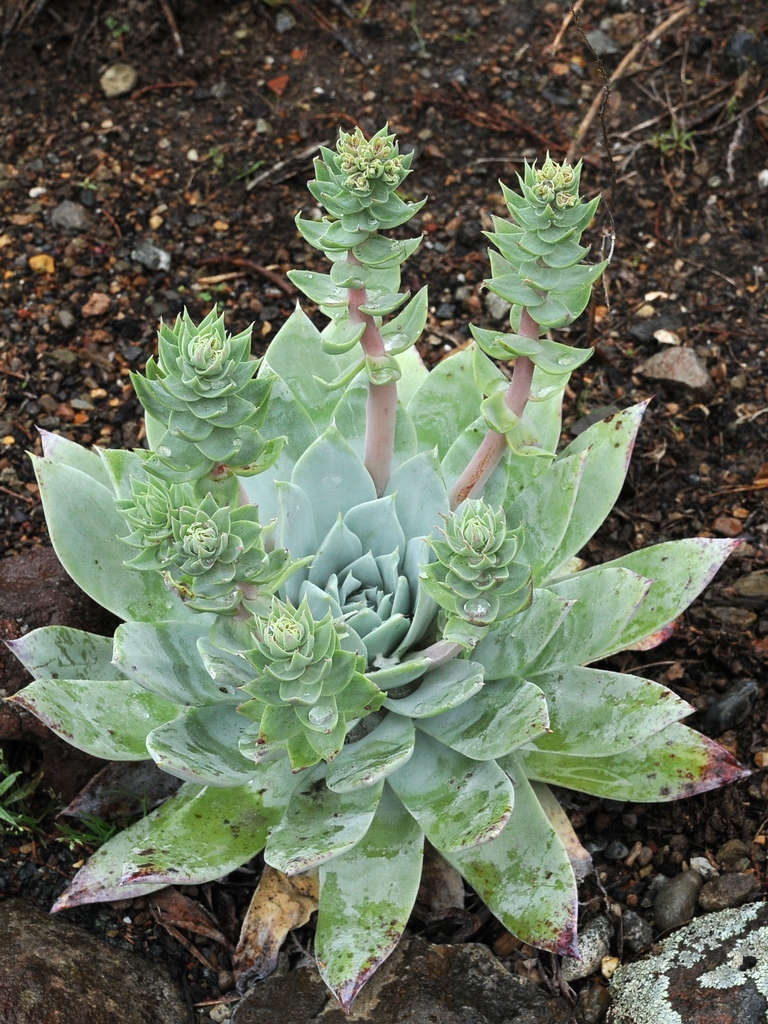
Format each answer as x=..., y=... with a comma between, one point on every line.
x=636, y=931
x=753, y=585
x=731, y=890
x=284, y=22
x=730, y=615
x=678, y=366
x=602, y=43
x=732, y=708
x=118, y=80
x=66, y=318
x=70, y=216
x=704, y=868
x=418, y=984
x=593, y=1004
x=150, y=256
x=52, y=972
x=498, y=308
x=676, y=901
x=616, y=851
x=733, y=855
x=714, y=970
x=594, y=943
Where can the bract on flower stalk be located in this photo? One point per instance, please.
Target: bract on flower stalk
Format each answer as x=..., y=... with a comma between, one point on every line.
x=351, y=618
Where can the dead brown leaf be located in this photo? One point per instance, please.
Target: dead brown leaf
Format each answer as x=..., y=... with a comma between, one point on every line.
x=278, y=905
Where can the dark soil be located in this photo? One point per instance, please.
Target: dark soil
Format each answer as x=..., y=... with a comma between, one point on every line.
x=474, y=89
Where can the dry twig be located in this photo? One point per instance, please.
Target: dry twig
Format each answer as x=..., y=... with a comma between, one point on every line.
x=574, y=9
x=169, y=17
x=239, y=261
x=618, y=73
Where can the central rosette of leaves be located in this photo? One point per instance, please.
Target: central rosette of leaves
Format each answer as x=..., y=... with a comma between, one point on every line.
x=365, y=574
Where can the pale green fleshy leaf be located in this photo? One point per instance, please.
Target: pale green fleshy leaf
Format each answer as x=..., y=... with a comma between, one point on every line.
x=296, y=355
x=544, y=509
x=457, y=802
x=595, y=713
x=366, y=897
x=377, y=525
x=680, y=569
x=374, y=757
x=447, y=402
x=608, y=445
x=320, y=824
x=414, y=373
x=511, y=646
x=163, y=658
x=524, y=876
x=60, y=652
x=420, y=495
x=68, y=453
x=201, y=745
x=445, y=687
x=674, y=763
x=505, y=715
x=85, y=529
x=122, y=467
x=604, y=602
x=108, y=718
x=335, y=477
x=101, y=879
x=214, y=832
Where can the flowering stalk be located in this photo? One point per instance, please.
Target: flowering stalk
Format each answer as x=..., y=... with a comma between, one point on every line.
x=357, y=186
x=541, y=274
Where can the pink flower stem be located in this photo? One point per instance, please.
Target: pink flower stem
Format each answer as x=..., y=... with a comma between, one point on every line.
x=488, y=455
x=381, y=408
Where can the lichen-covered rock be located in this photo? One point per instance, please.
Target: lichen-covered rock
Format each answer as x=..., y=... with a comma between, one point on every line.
x=713, y=971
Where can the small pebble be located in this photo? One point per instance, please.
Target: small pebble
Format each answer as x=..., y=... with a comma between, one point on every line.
x=732, y=708
x=445, y=311
x=498, y=308
x=66, y=318
x=594, y=944
x=676, y=901
x=729, y=891
x=118, y=80
x=593, y=1004
x=636, y=931
x=616, y=851
x=754, y=584
x=733, y=855
x=704, y=868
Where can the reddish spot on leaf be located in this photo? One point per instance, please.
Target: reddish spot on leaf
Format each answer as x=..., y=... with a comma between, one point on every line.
x=278, y=85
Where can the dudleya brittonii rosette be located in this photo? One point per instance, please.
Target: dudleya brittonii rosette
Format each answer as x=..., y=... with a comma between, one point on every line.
x=353, y=616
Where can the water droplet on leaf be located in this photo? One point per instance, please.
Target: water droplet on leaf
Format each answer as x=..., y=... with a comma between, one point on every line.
x=477, y=608
x=322, y=716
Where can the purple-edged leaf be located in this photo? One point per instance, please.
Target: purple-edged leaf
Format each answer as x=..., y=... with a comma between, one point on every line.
x=212, y=833
x=457, y=802
x=594, y=713
x=108, y=718
x=69, y=453
x=603, y=603
x=608, y=445
x=101, y=878
x=366, y=897
x=680, y=569
x=60, y=652
x=672, y=764
x=524, y=876
x=505, y=714
x=320, y=824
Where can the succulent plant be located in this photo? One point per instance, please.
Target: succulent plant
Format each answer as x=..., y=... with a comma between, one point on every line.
x=356, y=619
